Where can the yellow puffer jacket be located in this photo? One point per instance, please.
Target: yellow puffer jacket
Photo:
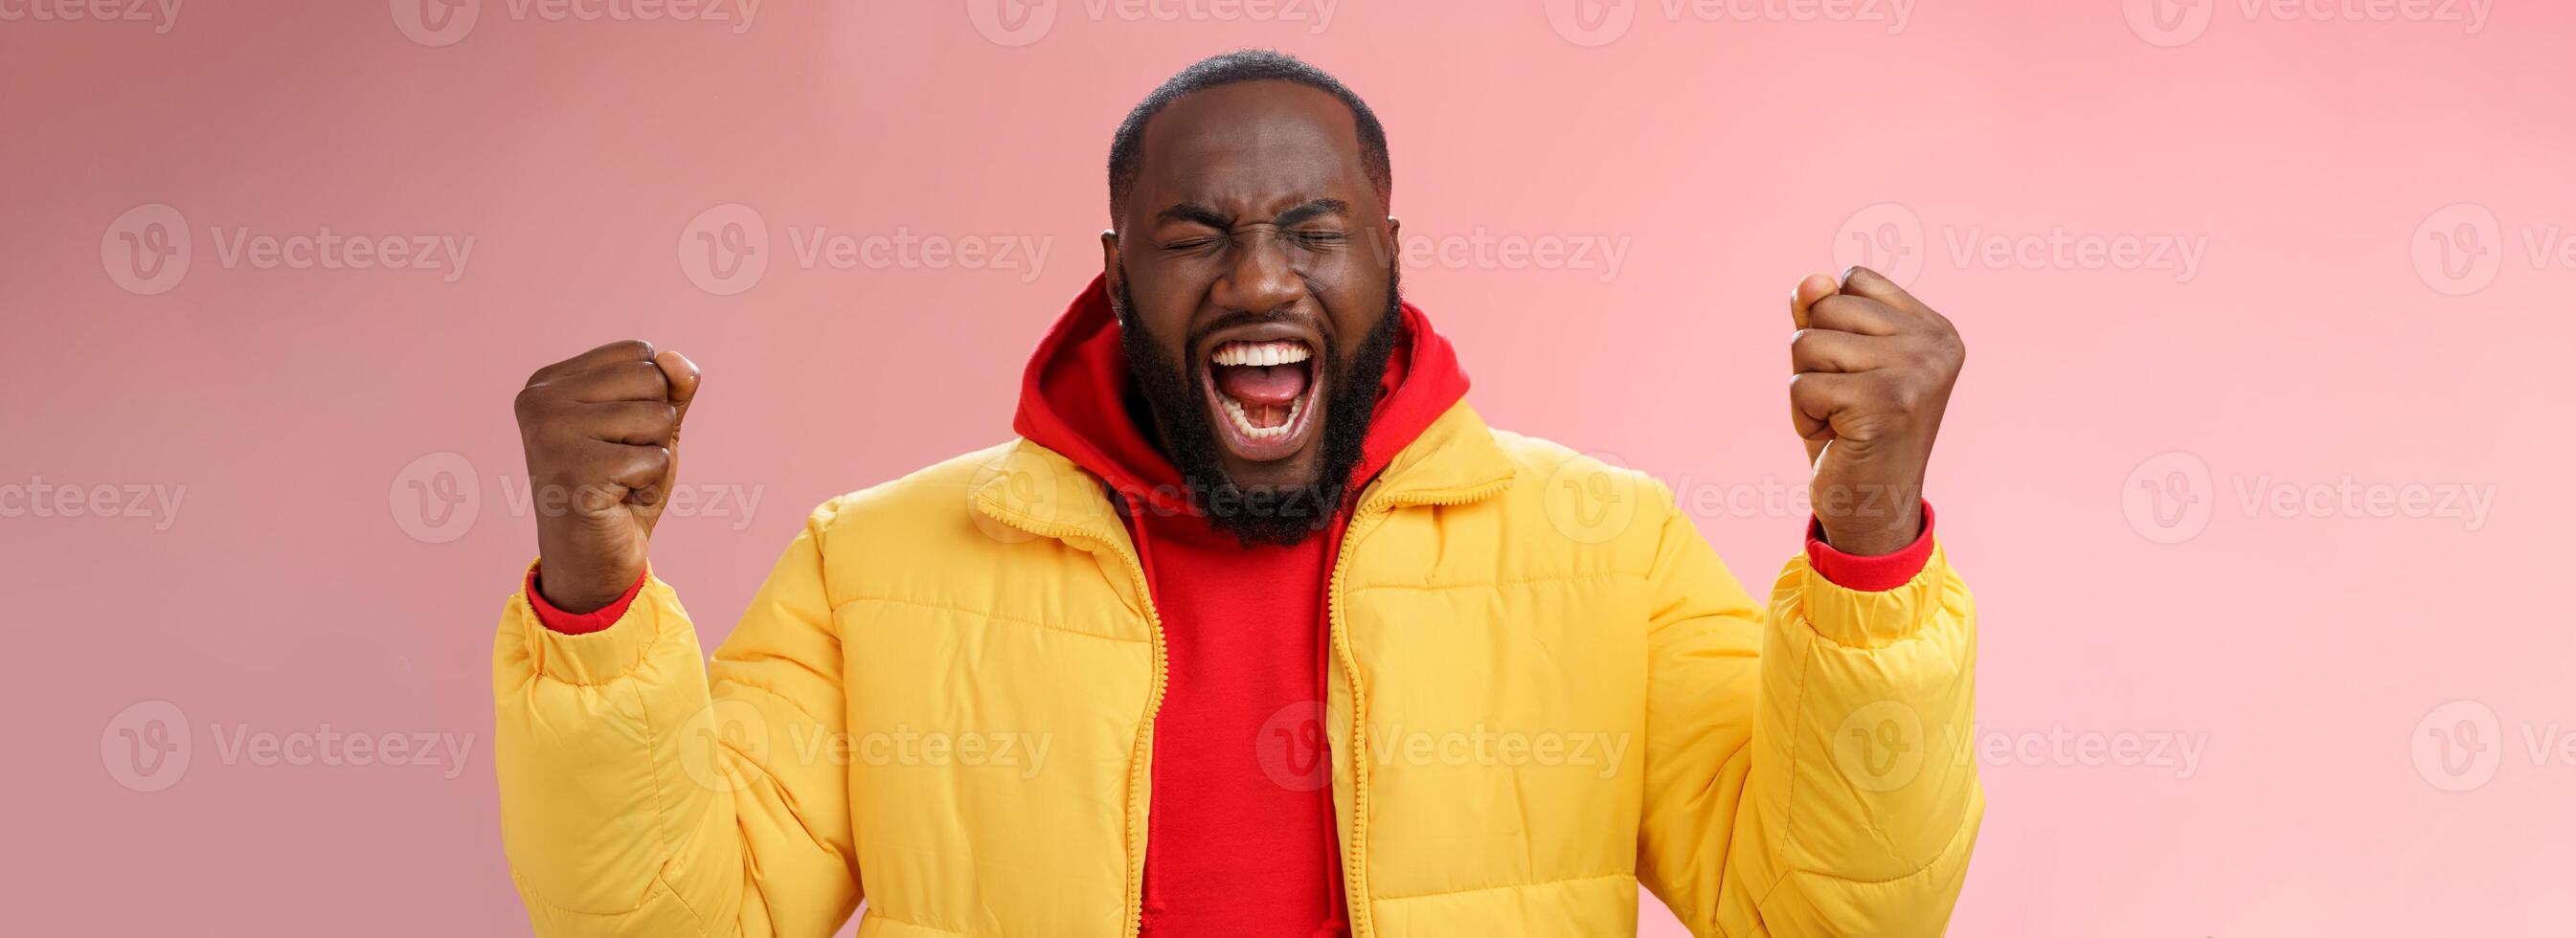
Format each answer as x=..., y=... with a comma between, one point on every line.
x=1546, y=691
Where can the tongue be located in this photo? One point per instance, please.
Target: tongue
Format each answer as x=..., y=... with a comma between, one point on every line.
x=1262, y=384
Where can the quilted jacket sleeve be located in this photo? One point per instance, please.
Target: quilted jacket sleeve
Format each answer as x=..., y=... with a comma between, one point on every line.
x=645, y=791
x=1803, y=776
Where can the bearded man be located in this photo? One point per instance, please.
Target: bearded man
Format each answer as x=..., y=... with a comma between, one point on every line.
x=1256, y=629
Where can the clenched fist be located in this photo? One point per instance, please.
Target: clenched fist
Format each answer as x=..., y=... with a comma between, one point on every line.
x=602, y=433
x=1874, y=368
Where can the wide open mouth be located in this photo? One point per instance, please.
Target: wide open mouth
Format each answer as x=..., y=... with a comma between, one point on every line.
x=1263, y=391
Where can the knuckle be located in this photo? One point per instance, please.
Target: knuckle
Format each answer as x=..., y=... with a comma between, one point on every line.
x=529, y=403
x=1906, y=397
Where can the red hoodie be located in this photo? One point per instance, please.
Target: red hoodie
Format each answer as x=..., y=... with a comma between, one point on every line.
x=1240, y=834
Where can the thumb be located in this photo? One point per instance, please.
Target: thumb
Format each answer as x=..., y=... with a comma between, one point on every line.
x=1811, y=289
x=682, y=376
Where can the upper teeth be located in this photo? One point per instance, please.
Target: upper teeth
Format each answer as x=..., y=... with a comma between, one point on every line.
x=1276, y=352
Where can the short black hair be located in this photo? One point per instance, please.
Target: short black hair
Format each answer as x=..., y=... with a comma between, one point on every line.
x=1126, y=151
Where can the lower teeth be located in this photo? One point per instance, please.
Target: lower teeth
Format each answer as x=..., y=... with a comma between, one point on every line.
x=1243, y=421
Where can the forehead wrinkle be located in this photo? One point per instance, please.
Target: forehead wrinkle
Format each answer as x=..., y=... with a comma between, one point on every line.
x=1252, y=158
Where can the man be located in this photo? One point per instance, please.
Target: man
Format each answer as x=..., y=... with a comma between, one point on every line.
x=1257, y=630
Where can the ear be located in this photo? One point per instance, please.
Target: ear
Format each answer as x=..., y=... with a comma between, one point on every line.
x=1109, y=258
x=1390, y=247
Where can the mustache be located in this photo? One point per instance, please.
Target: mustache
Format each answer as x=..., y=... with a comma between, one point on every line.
x=1163, y=395
x=1198, y=334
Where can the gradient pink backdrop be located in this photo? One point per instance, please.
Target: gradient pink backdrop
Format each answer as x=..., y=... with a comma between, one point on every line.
x=2331, y=325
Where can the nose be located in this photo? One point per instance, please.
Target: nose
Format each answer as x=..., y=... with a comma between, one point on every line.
x=1260, y=279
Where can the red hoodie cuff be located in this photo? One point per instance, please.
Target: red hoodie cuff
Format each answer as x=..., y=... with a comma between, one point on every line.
x=1870, y=573
x=582, y=623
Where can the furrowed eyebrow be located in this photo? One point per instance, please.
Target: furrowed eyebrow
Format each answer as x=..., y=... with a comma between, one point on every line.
x=1312, y=209
x=1202, y=215
x=1194, y=213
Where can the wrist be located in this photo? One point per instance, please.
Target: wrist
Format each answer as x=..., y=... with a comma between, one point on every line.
x=568, y=622
x=567, y=591
x=1874, y=530
x=1875, y=572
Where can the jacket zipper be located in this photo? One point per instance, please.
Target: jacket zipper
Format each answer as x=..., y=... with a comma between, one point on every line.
x=1354, y=854
x=1354, y=874
x=1139, y=775
x=1140, y=772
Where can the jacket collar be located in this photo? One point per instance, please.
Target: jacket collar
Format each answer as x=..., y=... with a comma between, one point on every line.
x=1038, y=491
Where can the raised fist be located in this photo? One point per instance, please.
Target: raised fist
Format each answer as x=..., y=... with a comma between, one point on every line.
x=1872, y=369
x=602, y=433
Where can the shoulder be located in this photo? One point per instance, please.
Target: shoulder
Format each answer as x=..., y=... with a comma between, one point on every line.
x=1586, y=503
x=920, y=508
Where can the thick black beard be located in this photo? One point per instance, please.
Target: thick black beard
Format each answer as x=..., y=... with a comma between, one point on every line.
x=1278, y=515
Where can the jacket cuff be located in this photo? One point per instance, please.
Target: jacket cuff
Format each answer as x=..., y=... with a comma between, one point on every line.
x=1868, y=573
x=584, y=623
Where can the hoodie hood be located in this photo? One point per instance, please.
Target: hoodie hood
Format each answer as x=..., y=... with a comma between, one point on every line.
x=1073, y=400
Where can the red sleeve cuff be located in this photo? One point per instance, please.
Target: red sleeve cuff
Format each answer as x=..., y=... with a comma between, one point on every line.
x=584, y=623
x=1869, y=573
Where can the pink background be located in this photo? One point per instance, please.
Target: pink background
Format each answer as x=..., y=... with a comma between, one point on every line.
x=2321, y=334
